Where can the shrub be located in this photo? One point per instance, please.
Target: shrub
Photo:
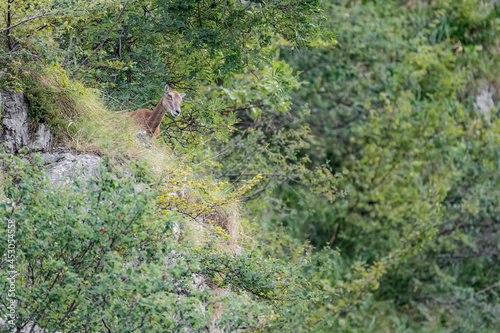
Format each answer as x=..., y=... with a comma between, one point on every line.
x=93, y=255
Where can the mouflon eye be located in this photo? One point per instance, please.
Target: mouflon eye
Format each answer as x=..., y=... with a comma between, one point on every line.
x=169, y=96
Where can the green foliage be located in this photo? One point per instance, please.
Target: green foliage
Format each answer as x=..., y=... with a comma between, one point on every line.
x=43, y=106
x=393, y=108
x=101, y=255
x=269, y=137
x=133, y=47
x=372, y=146
x=88, y=257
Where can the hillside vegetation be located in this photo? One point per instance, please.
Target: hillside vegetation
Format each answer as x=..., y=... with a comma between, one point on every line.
x=334, y=167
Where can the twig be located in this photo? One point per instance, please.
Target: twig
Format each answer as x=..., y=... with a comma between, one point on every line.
x=220, y=152
x=66, y=60
x=487, y=289
x=279, y=175
x=105, y=37
x=224, y=19
x=255, y=194
x=107, y=327
x=485, y=252
x=463, y=300
x=24, y=21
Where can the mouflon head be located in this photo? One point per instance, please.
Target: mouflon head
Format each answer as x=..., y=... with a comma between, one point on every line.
x=171, y=101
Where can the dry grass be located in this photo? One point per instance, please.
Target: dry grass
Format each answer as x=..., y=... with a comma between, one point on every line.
x=227, y=218
x=214, y=214
x=221, y=225
x=93, y=128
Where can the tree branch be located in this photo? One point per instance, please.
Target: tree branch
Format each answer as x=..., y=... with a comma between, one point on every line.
x=105, y=37
x=463, y=300
x=25, y=21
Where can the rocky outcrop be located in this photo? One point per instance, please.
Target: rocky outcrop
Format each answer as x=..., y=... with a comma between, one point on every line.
x=64, y=166
x=16, y=130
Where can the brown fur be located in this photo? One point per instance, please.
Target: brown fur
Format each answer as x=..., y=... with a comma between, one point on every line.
x=141, y=118
x=151, y=120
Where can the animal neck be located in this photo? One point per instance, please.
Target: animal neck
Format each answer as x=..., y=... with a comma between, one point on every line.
x=157, y=116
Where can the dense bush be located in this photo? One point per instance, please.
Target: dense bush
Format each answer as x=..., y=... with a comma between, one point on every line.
x=393, y=106
x=365, y=170
x=102, y=255
x=92, y=256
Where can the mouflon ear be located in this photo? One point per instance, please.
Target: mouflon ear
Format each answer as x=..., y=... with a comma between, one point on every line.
x=166, y=89
x=182, y=95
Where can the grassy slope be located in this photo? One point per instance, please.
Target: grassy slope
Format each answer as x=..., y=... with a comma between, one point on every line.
x=82, y=121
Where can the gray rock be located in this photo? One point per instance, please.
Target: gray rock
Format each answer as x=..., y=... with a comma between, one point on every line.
x=484, y=101
x=176, y=230
x=64, y=167
x=14, y=132
x=27, y=329
x=15, y=126
x=143, y=138
x=42, y=140
x=17, y=132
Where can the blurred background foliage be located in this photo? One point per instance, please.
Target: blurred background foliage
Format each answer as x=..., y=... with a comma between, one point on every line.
x=394, y=106
x=379, y=197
